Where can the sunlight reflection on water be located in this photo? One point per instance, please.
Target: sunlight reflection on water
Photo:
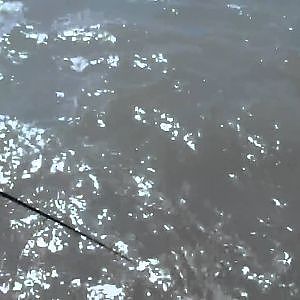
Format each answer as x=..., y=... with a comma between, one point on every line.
x=167, y=130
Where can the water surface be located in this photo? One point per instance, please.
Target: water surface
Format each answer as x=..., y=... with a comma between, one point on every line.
x=167, y=129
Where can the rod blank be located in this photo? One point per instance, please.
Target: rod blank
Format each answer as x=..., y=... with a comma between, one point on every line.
x=65, y=225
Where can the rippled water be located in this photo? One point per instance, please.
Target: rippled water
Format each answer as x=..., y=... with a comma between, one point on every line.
x=169, y=130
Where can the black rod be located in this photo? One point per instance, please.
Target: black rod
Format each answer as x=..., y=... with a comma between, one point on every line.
x=71, y=228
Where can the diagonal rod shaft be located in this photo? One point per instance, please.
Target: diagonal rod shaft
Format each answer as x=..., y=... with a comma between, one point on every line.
x=65, y=225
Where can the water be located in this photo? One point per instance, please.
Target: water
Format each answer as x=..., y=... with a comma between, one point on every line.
x=167, y=129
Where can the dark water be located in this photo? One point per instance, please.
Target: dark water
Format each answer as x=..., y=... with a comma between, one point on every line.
x=167, y=129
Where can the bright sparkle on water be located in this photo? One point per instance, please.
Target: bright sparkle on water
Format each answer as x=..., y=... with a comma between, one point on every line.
x=167, y=130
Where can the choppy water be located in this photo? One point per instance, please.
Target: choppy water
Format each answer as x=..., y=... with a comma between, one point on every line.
x=167, y=129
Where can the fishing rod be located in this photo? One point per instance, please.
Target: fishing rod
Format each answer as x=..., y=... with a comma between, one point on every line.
x=65, y=225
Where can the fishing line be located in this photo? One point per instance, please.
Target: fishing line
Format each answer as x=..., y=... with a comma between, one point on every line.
x=65, y=225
